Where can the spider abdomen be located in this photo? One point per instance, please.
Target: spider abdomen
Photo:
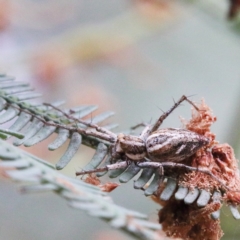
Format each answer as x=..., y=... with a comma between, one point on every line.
x=173, y=144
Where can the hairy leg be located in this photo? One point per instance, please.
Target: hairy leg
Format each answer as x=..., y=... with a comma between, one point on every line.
x=166, y=114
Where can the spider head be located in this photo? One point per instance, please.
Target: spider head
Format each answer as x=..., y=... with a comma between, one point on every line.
x=132, y=146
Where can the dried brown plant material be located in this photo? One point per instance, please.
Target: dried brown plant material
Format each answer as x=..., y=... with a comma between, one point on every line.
x=218, y=158
x=222, y=163
x=190, y=221
x=183, y=221
x=108, y=187
x=202, y=121
x=94, y=180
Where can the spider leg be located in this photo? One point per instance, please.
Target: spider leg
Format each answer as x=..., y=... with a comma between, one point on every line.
x=142, y=124
x=145, y=132
x=103, y=133
x=114, y=166
x=189, y=168
x=166, y=114
x=155, y=185
x=183, y=166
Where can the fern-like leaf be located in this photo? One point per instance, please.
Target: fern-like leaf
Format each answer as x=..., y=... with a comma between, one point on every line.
x=38, y=122
x=20, y=166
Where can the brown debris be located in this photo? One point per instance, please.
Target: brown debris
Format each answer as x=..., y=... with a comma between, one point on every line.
x=222, y=163
x=190, y=221
x=108, y=187
x=218, y=158
x=202, y=121
x=94, y=180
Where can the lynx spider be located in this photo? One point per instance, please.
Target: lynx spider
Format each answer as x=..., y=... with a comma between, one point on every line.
x=156, y=148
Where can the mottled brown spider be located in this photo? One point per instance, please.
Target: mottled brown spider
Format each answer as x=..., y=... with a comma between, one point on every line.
x=163, y=145
x=156, y=148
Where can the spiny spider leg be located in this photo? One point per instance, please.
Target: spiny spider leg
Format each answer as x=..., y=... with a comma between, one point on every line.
x=139, y=125
x=113, y=166
x=148, y=129
x=183, y=166
x=160, y=166
x=99, y=132
x=96, y=127
x=166, y=114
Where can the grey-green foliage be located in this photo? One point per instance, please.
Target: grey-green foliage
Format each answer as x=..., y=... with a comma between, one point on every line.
x=42, y=176
x=36, y=123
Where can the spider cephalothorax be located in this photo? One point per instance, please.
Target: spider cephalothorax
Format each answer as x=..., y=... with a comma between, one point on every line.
x=132, y=146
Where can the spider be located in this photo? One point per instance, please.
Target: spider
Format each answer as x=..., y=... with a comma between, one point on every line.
x=154, y=148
